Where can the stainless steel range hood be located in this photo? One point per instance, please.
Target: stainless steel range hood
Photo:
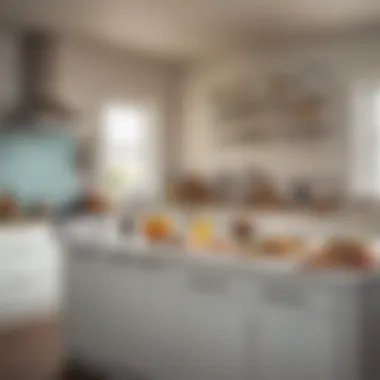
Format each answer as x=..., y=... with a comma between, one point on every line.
x=38, y=64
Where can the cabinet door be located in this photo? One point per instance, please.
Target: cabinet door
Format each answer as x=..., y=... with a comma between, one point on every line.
x=293, y=334
x=211, y=316
x=85, y=321
x=144, y=328
x=293, y=345
x=122, y=313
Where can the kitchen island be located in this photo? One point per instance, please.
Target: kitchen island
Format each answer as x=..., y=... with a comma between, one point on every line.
x=164, y=314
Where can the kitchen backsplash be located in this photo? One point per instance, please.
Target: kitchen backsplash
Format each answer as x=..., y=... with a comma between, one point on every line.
x=36, y=166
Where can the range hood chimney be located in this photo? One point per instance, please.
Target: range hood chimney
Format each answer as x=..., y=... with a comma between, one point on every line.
x=38, y=102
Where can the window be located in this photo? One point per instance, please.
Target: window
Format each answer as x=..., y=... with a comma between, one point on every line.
x=365, y=141
x=127, y=152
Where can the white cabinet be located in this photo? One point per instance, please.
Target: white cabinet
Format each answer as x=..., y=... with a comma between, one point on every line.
x=297, y=342
x=86, y=312
x=179, y=318
x=211, y=333
x=30, y=272
x=159, y=320
x=146, y=307
x=302, y=331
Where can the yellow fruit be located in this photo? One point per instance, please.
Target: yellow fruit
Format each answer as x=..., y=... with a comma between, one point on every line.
x=201, y=232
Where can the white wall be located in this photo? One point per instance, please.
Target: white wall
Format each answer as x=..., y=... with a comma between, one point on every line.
x=8, y=71
x=90, y=76
x=346, y=61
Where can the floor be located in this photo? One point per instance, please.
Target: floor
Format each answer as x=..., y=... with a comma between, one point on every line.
x=33, y=352
x=76, y=373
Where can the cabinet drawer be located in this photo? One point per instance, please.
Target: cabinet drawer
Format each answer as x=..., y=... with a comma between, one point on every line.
x=27, y=291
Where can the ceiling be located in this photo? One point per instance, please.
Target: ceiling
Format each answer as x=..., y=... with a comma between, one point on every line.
x=191, y=28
